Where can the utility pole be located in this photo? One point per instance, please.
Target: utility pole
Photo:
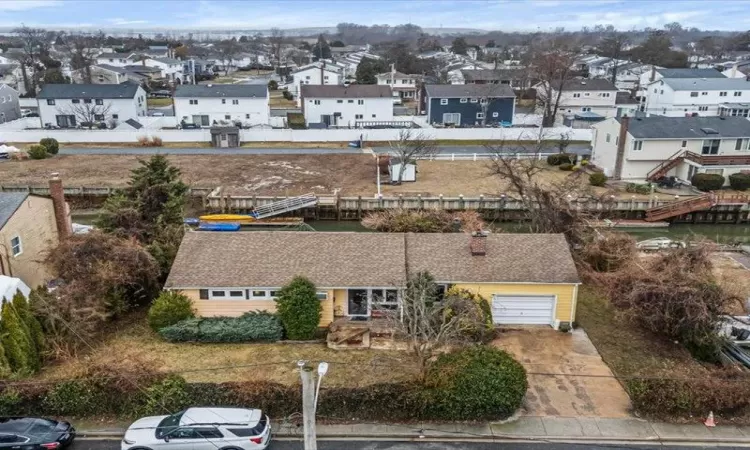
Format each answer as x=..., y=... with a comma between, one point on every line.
x=310, y=400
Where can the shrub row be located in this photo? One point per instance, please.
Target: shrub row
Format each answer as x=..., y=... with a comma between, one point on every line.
x=482, y=383
x=707, y=181
x=561, y=158
x=739, y=181
x=638, y=188
x=597, y=179
x=249, y=327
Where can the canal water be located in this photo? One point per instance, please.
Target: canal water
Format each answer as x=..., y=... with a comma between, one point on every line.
x=717, y=233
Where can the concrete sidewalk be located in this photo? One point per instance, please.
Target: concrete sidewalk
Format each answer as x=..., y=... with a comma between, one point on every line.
x=562, y=429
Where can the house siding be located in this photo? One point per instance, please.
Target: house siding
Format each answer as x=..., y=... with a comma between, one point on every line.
x=34, y=223
x=236, y=308
x=565, y=294
x=503, y=106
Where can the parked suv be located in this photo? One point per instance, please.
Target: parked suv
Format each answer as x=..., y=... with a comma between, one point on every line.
x=201, y=429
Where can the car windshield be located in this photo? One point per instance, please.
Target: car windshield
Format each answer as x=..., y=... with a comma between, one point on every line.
x=168, y=424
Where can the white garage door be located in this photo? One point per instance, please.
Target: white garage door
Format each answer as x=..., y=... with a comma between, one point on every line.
x=523, y=310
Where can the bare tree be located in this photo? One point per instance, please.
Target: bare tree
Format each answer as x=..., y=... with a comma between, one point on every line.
x=613, y=46
x=228, y=50
x=82, y=51
x=409, y=148
x=87, y=114
x=276, y=39
x=552, y=65
x=32, y=42
x=429, y=324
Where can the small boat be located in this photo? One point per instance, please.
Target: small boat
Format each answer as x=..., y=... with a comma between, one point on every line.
x=245, y=219
x=191, y=221
x=219, y=227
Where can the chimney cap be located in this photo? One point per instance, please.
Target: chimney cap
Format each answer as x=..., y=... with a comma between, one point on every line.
x=55, y=175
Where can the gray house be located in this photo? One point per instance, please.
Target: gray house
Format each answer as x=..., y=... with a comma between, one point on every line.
x=469, y=104
x=9, y=107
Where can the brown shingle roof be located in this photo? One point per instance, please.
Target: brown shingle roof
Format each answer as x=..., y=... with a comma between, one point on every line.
x=351, y=91
x=513, y=258
x=273, y=258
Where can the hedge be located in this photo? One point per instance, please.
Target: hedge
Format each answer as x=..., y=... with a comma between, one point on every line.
x=597, y=179
x=249, y=327
x=51, y=145
x=168, y=309
x=561, y=158
x=707, y=181
x=299, y=309
x=739, y=181
x=37, y=151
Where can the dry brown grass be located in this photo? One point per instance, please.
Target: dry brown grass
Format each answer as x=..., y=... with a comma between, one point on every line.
x=734, y=278
x=134, y=341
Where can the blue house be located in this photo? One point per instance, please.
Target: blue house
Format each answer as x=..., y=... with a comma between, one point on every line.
x=469, y=104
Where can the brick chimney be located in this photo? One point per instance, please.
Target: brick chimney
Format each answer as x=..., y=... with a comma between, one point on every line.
x=62, y=217
x=478, y=243
x=620, y=155
x=653, y=74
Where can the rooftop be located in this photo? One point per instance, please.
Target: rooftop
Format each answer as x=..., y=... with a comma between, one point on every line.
x=222, y=90
x=489, y=75
x=112, y=91
x=9, y=203
x=469, y=90
x=115, y=55
x=167, y=60
x=708, y=84
x=690, y=73
x=661, y=127
x=234, y=416
x=397, y=75
x=592, y=84
x=351, y=91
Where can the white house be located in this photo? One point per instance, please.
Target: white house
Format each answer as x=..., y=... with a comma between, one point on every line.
x=648, y=148
x=117, y=59
x=657, y=73
x=589, y=99
x=675, y=97
x=317, y=73
x=68, y=105
x=171, y=68
x=405, y=85
x=220, y=104
x=346, y=106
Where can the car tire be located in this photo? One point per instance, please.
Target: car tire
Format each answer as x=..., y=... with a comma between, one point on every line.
x=140, y=448
x=230, y=448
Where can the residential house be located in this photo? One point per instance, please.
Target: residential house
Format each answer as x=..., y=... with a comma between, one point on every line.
x=346, y=106
x=117, y=59
x=68, y=105
x=529, y=279
x=171, y=69
x=675, y=97
x=740, y=69
x=468, y=104
x=317, y=73
x=589, y=100
x=628, y=75
x=213, y=104
x=657, y=73
x=9, y=106
x=402, y=84
x=30, y=227
x=648, y=148
x=108, y=74
x=512, y=77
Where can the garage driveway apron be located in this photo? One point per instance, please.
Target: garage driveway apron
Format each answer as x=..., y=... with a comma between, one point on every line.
x=543, y=350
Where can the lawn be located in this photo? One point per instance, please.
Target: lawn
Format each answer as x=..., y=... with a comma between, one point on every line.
x=158, y=102
x=278, y=101
x=132, y=340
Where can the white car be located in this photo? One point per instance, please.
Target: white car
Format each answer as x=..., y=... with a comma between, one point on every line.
x=201, y=429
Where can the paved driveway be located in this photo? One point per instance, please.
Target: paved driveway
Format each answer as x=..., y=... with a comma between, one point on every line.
x=567, y=377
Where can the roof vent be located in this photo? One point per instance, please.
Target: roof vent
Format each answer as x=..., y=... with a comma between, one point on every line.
x=583, y=82
x=209, y=85
x=709, y=131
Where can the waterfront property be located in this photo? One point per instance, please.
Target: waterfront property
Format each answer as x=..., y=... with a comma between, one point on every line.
x=528, y=278
x=222, y=104
x=469, y=104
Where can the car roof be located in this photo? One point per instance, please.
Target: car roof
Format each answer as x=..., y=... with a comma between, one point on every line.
x=221, y=416
x=22, y=425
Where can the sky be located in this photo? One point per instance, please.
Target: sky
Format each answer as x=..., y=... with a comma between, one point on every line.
x=507, y=15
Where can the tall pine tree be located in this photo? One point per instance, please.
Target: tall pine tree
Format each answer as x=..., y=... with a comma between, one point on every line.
x=15, y=340
x=34, y=328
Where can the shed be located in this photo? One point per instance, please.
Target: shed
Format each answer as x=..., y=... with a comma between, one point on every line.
x=225, y=137
x=410, y=173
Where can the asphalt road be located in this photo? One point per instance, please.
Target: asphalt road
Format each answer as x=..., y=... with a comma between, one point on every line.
x=65, y=150
x=383, y=445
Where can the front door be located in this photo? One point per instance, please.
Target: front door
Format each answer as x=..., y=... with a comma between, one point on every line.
x=358, y=304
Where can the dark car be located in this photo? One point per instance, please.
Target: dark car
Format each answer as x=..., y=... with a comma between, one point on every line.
x=33, y=433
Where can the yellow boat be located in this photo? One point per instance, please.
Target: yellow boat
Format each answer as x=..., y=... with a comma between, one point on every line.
x=245, y=219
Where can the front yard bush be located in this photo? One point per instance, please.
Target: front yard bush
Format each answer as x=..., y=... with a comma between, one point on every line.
x=739, y=181
x=299, y=309
x=168, y=309
x=638, y=188
x=597, y=179
x=287, y=95
x=707, y=181
x=51, y=145
x=479, y=383
x=566, y=167
x=37, y=151
x=249, y=327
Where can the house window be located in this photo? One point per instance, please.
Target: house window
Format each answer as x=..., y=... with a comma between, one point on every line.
x=227, y=117
x=710, y=147
x=99, y=117
x=218, y=294
x=247, y=116
x=360, y=102
x=637, y=146
x=51, y=101
x=443, y=101
x=742, y=144
x=115, y=116
x=482, y=101
x=495, y=114
x=350, y=101
x=322, y=295
x=307, y=77
x=203, y=294
x=604, y=94
x=684, y=144
x=474, y=100
x=608, y=138
x=325, y=77
x=87, y=100
x=358, y=116
x=661, y=92
x=75, y=100
x=339, y=101
x=464, y=100
x=738, y=93
x=722, y=94
x=16, y=247
x=223, y=101
x=586, y=94
x=193, y=102
x=237, y=294
x=316, y=102
x=374, y=116
x=385, y=299
x=703, y=108
x=404, y=81
x=704, y=93
x=387, y=81
x=576, y=95
x=693, y=94
x=99, y=101
x=655, y=90
x=235, y=102
x=480, y=115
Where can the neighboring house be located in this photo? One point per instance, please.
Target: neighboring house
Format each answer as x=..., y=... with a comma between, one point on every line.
x=150, y=72
x=628, y=75
x=108, y=74
x=9, y=106
x=346, y=106
x=529, y=279
x=68, y=105
x=401, y=83
x=171, y=69
x=739, y=69
x=30, y=227
x=216, y=104
x=589, y=100
x=317, y=73
x=468, y=104
x=676, y=97
x=511, y=77
x=644, y=148
x=657, y=73
x=117, y=59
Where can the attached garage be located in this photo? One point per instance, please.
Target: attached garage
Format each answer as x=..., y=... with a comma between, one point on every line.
x=523, y=310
